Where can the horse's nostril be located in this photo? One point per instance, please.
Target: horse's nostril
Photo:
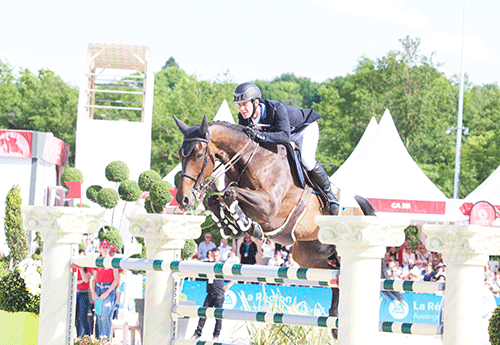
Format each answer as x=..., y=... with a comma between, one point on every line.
x=185, y=201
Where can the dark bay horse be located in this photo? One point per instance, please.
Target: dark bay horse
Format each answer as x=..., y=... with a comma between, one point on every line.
x=261, y=185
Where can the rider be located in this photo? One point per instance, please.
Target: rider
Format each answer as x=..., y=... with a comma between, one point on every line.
x=287, y=124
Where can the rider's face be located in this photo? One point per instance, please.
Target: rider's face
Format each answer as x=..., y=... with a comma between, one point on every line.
x=246, y=108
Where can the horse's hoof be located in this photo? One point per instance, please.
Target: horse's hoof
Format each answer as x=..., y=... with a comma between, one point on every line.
x=335, y=333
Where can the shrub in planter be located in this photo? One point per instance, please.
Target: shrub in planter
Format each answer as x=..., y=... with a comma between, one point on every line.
x=92, y=192
x=129, y=190
x=71, y=174
x=112, y=235
x=160, y=195
x=188, y=250
x=117, y=171
x=108, y=198
x=147, y=178
x=494, y=327
x=20, y=288
x=13, y=223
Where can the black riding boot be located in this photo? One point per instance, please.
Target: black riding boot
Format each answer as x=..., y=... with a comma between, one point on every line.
x=320, y=178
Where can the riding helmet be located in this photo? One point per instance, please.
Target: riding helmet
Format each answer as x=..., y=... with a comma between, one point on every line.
x=246, y=92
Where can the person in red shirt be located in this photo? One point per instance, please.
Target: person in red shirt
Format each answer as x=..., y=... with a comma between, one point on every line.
x=119, y=286
x=82, y=298
x=104, y=287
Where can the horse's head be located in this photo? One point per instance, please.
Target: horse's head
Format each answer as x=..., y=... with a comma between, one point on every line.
x=197, y=161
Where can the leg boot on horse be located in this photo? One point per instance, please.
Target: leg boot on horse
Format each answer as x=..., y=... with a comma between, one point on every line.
x=320, y=178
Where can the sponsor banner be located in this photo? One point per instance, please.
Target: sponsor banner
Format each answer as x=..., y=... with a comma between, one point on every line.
x=408, y=206
x=15, y=143
x=55, y=151
x=419, y=308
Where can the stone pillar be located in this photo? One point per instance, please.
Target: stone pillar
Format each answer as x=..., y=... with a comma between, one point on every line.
x=61, y=229
x=164, y=236
x=361, y=244
x=466, y=249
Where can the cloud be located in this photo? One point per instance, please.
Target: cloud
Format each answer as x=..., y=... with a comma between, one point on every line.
x=387, y=11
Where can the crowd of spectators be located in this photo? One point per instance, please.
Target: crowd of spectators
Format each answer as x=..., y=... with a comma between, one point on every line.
x=408, y=263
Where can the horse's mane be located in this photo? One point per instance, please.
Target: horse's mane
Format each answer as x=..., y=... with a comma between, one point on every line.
x=232, y=126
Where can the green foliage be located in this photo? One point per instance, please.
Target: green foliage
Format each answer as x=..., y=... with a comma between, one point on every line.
x=412, y=235
x=129, y=190
x=188, y=250
x=91, y=340
x=160, y=195
x=147, y=178
x=108, y=198
x=71, y=174
x=92, y=193
x=177, y=179
x=13, y=223
x=494, y=327
x=14, y=297
x=117, y=171
x=112, y=235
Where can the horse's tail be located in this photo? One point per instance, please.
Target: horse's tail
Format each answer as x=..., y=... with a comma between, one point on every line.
x=365, y=205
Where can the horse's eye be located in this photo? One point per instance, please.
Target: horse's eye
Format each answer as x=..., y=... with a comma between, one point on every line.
x=199, y=156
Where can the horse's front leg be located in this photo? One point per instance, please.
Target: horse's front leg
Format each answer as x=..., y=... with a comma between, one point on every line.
x=250, y=209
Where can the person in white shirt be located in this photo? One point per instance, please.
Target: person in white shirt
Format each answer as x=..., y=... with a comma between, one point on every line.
x=224, y=249
x=267, y=251
x=277, y=260
x=205, y=246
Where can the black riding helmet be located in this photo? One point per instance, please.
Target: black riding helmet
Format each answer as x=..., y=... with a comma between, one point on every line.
x=246, y=92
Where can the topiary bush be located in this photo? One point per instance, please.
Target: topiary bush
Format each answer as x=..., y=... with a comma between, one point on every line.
x=16, y=237
x=147, y=178
x=160, y=195
x=494, y=327
x=71, y=174
x=188, y=250
x=20, y=288
x=117, y=171
x=108, y=198
x=112, y=235
x=129, y=190
x=92, y=192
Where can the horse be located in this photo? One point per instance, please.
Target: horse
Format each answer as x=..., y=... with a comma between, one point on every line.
x=263, y=197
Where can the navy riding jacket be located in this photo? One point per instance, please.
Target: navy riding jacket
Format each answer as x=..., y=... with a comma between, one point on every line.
x=283, y=119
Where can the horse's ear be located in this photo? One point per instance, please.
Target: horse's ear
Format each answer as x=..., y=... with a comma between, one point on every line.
x=204, y=125
x=182, y=126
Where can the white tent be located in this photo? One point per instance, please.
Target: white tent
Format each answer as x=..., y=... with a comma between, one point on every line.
x=363, y=143
x=489, y=190
x=384, y=172
x=223, y=114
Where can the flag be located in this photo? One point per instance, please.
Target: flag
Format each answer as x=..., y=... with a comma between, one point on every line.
x=75, y=189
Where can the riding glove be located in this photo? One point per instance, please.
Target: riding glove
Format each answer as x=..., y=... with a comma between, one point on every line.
x=258, y=136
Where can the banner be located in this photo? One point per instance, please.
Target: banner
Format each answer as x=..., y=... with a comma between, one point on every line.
x=408, y=206
x=15, y=143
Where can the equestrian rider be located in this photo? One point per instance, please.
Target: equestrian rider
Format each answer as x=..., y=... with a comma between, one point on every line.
x=287, y=124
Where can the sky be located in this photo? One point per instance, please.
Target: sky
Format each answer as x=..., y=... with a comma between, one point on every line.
x=238, y=41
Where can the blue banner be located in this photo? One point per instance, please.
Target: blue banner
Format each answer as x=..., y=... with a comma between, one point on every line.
x=413, y=308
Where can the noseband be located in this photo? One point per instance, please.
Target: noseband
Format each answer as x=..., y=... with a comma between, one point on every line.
x=197, y=180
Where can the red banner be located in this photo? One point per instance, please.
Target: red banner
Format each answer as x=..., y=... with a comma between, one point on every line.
x=55, y=151
x=15, y=143
x=408, y=206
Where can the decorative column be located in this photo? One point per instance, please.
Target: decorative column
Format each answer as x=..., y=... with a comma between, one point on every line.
x=466, y=249
x=164, y=236
x=61, y=229
x=361, y=244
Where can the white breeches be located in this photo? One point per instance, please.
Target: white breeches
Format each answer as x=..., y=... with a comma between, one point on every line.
x=307, y=141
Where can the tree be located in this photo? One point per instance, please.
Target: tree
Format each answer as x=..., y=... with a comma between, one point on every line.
x=17, y=240
x=170, y=63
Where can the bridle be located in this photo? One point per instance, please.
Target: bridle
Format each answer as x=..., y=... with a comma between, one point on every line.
x=200, y=187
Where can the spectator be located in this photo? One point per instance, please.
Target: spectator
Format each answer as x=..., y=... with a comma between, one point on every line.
x=277, y=260
x=104, y=288
x=420, y=264
x=248, y=251
x=120, y=288
x=89, y=246
x=408, y=256
x=210, y=256
x=429, y=272
x=232, y=258
x=215, y=298
x=291, y=262
x=487, y=273
x=389, y=265
x=393, y=252
x=82, y=298
x=224, y=249
x=395, y=273
x=424, y=254
x=440, y=271
x=399, y=255
x=268, y=249
x=413, y=275
x=205, y=246
x=409, y=265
